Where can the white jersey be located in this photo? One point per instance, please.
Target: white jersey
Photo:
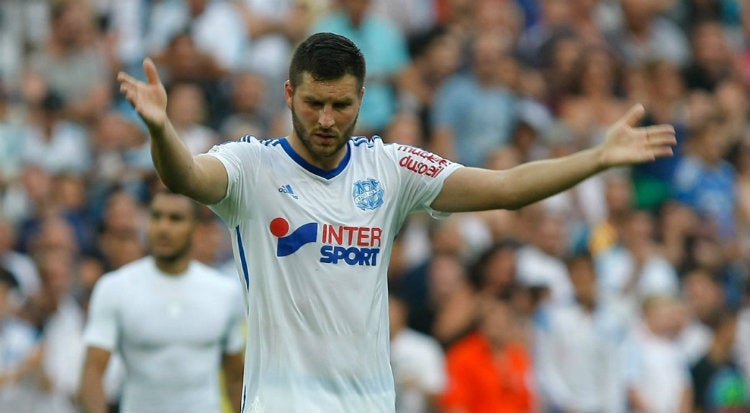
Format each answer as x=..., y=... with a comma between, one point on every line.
x=312, y=248
x=170, y=332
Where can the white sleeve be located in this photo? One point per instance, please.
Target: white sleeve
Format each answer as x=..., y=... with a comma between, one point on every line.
x=422, y=176
x=101, y=326
x=241, y=159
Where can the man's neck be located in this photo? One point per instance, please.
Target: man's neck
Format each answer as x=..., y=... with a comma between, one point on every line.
x=172, y=266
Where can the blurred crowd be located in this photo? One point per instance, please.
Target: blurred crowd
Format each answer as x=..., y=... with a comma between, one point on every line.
x=627, y=293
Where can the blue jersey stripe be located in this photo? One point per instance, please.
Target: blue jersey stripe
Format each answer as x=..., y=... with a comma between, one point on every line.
x=243, y=260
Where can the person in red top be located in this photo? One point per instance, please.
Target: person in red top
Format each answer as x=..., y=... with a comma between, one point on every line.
x=490, y=370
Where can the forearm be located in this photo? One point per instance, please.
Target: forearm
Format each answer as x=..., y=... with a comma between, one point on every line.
x=534, y=181
x=474, y=189
x=172, y=159
x=91, y=394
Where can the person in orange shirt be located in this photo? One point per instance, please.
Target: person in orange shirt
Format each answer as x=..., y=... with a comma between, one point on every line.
x=490, y=370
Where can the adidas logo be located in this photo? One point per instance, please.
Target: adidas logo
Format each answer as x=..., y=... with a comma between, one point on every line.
x=287, y=189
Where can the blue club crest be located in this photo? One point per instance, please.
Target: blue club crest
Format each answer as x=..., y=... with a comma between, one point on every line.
x=368, y=194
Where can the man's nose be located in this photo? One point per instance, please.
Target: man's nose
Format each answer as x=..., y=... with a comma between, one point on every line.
x=325, y=119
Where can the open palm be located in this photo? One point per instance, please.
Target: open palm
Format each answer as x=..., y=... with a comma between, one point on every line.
x=627, y=144
x=148, y=98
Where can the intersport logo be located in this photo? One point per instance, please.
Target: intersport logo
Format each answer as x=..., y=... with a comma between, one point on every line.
x=347, y=244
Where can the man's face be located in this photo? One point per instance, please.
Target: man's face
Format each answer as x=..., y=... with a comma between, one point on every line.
x=170, y=227
x=324, y=114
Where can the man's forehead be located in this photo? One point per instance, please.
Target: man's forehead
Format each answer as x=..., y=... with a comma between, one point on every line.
x=347, y=80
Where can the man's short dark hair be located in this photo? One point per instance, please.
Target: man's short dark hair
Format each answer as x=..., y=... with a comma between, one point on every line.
x=327, y=56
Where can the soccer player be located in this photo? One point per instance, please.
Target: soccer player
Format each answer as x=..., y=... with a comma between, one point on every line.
x=314, y=214
x=174, y=323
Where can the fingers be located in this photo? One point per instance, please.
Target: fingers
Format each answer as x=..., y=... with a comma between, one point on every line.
x=125, y=78
x=152, y=75
x=658, y=130
x=634, y=114
x=662, y=151
x=659, y=135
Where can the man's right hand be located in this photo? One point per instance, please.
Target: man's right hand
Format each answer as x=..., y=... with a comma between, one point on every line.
x=148, y=98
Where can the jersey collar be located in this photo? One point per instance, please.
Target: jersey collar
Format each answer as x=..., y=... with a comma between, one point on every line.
x=323, y=173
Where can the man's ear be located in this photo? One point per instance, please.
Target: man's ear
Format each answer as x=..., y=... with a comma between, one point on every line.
x=362, y=93
x=288, y=93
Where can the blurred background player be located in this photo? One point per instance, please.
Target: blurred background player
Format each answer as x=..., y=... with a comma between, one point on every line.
x=174, y=322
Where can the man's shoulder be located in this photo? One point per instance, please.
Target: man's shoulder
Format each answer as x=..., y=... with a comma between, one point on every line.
x=120, y=275
x=242, y=142
x=212, y=278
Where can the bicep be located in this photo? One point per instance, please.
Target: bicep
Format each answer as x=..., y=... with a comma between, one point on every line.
x=211, y=180
x=473, y=189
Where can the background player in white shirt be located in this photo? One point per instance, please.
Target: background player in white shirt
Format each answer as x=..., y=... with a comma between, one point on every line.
x=173, y=321
x=313, y=217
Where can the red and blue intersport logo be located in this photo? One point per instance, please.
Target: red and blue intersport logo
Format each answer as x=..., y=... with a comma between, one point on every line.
x=349, y=244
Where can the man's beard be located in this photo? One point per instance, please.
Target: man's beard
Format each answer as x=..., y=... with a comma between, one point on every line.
x=304, y=137
x=174, y=255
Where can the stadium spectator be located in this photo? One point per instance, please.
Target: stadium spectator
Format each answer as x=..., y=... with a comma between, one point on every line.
x=384, y=48
x=189, y=112
x=539, y=262
x=580, y=372
x=656, y=371
x=274, y=27
x=452, y=298
x=474, y=110
x=719, y=383
x=705, y=181
x=18, y=342
x=491, y=369
x=213, y=26
x=58, y=318
x=417, y=360
x=121, y=239
x=703, y=297
x=72, y=62
x=644, y=34
x=248, y=113
x=22, y=267
x=635, y=268
x=618, y=201
x=56, y=144
x=712, y=59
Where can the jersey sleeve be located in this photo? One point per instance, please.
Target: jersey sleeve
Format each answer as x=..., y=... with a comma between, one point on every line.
x=422, y=174
x=241, y=159
x=101, y=326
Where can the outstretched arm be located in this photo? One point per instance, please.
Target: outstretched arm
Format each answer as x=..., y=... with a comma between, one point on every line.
x=474, y=189
x=200, y=177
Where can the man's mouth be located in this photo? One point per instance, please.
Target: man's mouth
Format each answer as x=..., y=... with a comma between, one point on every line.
x=325, y=136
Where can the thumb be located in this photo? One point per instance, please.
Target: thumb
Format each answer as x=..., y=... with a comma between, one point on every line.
x=634, y=114
x=151, y=73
